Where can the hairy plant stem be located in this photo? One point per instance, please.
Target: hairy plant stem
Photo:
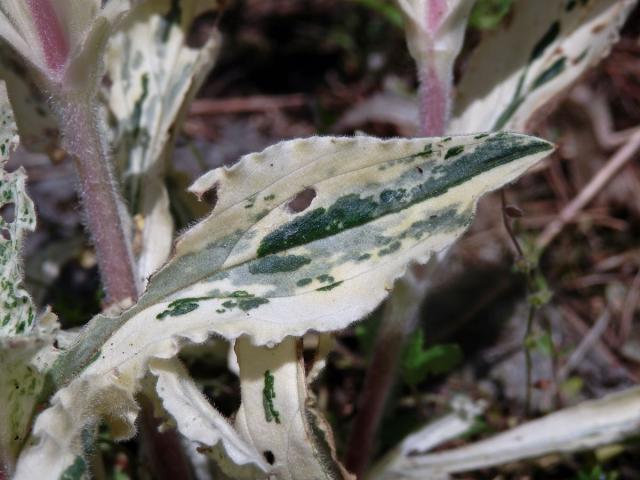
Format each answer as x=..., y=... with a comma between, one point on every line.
x=105, y=216
x=103, y=210
x=400, y=315
x=399, y=319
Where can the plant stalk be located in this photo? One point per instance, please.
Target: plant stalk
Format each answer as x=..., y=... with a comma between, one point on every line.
x=106, y=220
x=400, y=315
x=103, y=208
x=399, y=319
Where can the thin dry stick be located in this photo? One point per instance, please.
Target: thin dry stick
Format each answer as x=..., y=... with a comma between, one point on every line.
x=256, y=103
x=593, y=188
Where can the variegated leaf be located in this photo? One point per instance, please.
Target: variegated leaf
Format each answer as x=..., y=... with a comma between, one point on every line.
x=26, y=342
x=586, y=426
x=154, y=74
x=16, y=308
x=257, y=267
x=201, y=424
x=25, y=360
x=435, y=30
x=538, y=54
x=277, y=417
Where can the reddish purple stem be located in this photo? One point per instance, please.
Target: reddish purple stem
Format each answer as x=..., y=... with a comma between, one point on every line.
x=53, y=39
x=434, y=103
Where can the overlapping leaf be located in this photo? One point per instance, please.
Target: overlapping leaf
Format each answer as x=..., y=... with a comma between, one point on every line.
x=154, y=74
x=255, y=266
x=276, y=415
x=538, y=54
x=26, y=342
x=259, y=268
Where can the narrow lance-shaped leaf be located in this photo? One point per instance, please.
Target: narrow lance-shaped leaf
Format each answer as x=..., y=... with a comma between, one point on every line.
x=532, y=59
x=155, y=73
x=199, y=422
x=259, y=268
x=276, y=415
x=586, y=426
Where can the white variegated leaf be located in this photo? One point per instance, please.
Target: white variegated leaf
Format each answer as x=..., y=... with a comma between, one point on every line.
x=154, y=74
x=16, y=308
x=586, y=426
x=256, y=267
x=276, y=416
x=532, y=59
x=26, y=341
x=201, y=424
x=25, y=360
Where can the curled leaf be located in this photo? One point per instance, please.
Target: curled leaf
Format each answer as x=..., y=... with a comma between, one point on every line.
x=155, y=73
x=541, y=52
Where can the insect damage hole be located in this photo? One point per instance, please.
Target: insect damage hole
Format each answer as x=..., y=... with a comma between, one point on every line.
x=269, y=457
x=301, y=200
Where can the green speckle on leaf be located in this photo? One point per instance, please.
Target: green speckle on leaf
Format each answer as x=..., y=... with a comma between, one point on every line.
x=325, y=278
x=251, y=303
x=181, y=306
x=453, y=151
x=303, y=281
x=240, y=294
x=229, y=304
x=75, y=471
x=550, y=73
x=392, y=247
x=268, y=394
x=329, y=287
x=276, y=264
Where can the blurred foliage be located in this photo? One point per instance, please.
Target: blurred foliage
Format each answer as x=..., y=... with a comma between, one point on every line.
x=384, y=8
x=488, y=14
x=597, y=473
x=419, y=362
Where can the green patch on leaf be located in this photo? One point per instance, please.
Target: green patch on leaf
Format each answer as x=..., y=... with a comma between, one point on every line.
x=453, y=151
x=75, y=471
x=329, y=287
x=275, y=264
x=268, y=394
x=180, y=307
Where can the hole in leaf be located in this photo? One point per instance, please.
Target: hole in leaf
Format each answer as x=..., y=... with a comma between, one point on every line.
x=201, y=29
x=269, y=457
x=210, y=197
x=8, y=212
x=301, y=200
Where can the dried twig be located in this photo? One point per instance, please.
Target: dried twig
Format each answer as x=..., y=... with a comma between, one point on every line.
x=257, y=103
x=593, y=188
